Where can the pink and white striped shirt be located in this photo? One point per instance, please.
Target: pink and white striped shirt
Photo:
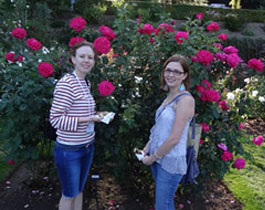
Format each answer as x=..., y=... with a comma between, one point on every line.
x=71, y=101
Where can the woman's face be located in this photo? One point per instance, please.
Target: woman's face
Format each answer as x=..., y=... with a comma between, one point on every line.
x=174, y=74
x=83, y=60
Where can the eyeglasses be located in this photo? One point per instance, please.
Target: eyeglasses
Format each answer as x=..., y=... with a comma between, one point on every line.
x=174, y=72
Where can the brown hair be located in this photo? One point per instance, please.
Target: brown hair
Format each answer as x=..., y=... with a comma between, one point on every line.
x=185, y=65
x=74, y=48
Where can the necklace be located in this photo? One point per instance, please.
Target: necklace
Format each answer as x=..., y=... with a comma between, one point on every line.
x=79, y=82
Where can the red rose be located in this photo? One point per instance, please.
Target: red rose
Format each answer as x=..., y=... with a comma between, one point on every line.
x=20, y=58
x=45, y=69
x=212, y=27
x=223, y=105
x=33, y=44
x=181, y=34
x=204, y=57
x=105, y=88
x=222, y=37
x=255, y=64
x=107, y=32
x=77, y=23
x=10, y=57
x=75, y=40
x=19, y=33
x=102, y=45
x=227, y=156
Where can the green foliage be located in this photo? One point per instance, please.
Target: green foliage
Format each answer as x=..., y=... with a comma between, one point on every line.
x=91, y=10
x=25, y=102
x=248, y=32
x=233, y=22
x=248, y=47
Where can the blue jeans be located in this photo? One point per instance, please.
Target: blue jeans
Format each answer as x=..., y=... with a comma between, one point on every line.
x=73, y=164
x=166, y=185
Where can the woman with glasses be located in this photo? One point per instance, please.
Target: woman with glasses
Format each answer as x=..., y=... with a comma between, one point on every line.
x=165, y=151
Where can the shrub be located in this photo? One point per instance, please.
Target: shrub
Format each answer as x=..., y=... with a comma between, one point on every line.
x=133, y=66
x=233, y=22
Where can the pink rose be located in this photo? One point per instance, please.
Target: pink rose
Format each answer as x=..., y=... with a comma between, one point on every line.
x=233, y=60
x=204, y=57
x=199, y=16
x=212, y=27
x=10, y=57
x=222, y=37
x=201, y=141
x=75, y=40
x=10, y=162
x=173, y=23
x=105, y=88
x=227, y=156
x=222, y=146
x=19, y=33
x=181, y=34
x=241, y=125
x=221, y=56
x=45, y=69
x=255, y=64
x=205, y=127
x=33, y=44
x=230, y=49
x=102, y=45
x=107, y=32
x=218, y=45
x=77, y=23
x=223, y=105
x=239, y=163
x=258, y=140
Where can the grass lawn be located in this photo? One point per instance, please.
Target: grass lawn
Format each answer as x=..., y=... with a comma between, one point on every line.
x=248, y=184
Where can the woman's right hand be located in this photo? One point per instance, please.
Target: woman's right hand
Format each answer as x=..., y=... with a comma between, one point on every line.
x=95, y=118
x=92, y=118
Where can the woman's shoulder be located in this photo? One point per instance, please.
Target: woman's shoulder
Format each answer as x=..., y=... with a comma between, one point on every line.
x=67, y=79
x=187, y=99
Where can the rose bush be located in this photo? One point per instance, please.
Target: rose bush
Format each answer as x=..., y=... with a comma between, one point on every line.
x=127, y=74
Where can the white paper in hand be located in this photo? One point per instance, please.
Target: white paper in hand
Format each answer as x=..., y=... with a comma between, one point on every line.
x=139, y=153
x=108, y=117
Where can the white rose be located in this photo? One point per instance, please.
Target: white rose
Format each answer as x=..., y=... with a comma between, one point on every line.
x=230, y=96
x=255, y=93
x=238, y=90
x=261, y=99
x=247, y=80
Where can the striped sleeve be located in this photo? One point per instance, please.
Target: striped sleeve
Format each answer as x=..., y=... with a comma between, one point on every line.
x=63, y=98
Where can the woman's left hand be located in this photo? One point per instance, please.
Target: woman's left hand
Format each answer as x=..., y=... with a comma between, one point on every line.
x=149, y=160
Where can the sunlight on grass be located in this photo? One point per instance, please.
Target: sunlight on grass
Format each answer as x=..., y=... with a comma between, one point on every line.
x=248, y=184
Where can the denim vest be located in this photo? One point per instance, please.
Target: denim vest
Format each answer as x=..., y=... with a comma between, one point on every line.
x=175, y=160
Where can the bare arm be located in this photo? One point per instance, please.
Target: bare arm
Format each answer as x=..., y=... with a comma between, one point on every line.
x=184, y=111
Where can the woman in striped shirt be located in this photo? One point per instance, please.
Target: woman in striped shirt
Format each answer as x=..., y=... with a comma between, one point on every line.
x=73, y=115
